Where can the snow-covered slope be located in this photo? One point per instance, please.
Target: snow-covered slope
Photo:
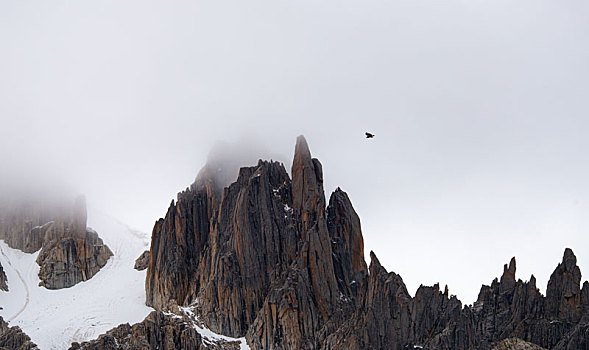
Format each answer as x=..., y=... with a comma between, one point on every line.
x=55, y=318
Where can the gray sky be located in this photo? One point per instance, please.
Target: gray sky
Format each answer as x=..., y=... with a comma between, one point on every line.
x=480, y=110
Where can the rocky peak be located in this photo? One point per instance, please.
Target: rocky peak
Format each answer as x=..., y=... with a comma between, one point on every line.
x=347, y=243
x=308, y=198
x=309, y=208
x=508, y=278
x=564, y=289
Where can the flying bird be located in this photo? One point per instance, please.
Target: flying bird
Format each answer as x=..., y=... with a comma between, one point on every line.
x=369, y=135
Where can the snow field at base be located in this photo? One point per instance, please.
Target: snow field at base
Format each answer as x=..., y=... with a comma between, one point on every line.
x=56, y=318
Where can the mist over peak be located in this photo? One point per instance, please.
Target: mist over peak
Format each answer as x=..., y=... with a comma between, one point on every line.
x=227, y=157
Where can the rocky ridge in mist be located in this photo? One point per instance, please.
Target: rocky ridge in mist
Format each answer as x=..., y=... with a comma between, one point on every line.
x=69, y=251
x=265, y=258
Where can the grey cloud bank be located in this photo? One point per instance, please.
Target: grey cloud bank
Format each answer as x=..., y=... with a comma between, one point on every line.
x=479, y=110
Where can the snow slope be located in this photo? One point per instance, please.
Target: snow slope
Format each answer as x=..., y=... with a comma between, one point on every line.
x=55, y=318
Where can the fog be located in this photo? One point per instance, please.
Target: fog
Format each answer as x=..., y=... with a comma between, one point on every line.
x=479, y=108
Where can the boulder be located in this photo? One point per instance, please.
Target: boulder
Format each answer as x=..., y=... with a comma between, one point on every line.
x=142, y=261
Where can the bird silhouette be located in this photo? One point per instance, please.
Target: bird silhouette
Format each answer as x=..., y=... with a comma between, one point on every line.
x=369, y=135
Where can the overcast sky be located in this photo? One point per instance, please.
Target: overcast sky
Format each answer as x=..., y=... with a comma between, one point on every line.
x=480, y=110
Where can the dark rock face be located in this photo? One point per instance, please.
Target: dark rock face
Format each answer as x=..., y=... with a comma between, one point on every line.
x=70, y=252
x=3, y=280
x=266, y=259
x=14, y=338
x=142, y=261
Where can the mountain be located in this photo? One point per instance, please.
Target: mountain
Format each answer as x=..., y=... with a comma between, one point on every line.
x=266, y=262
x=267, y=259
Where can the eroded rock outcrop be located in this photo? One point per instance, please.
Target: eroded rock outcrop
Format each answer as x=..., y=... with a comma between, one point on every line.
x=68, y=261
x=14, y=338
x=70, y=252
